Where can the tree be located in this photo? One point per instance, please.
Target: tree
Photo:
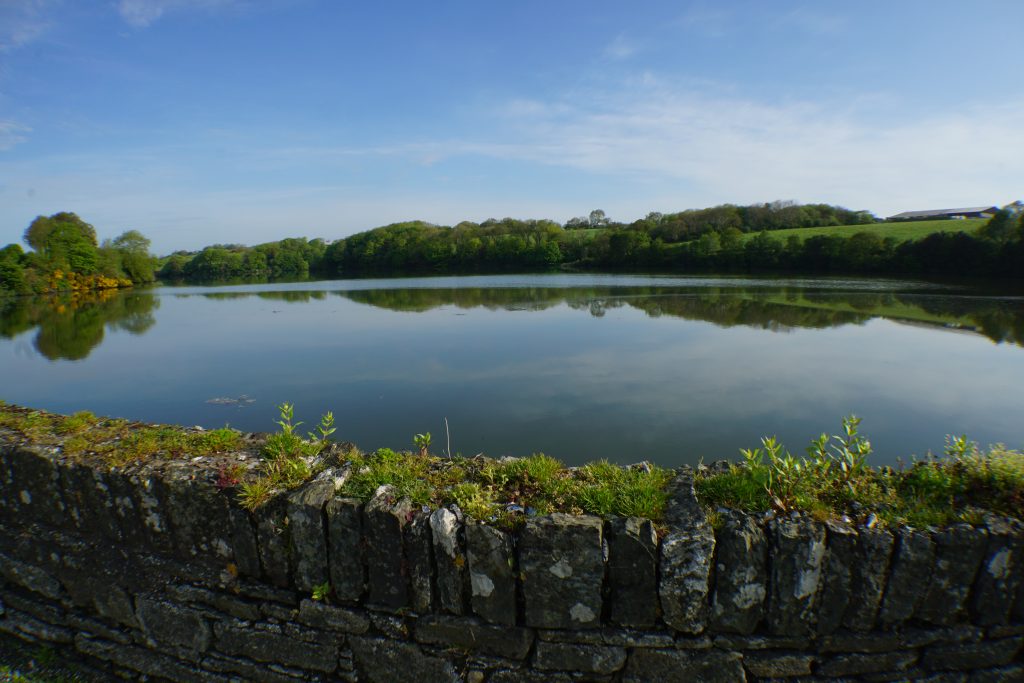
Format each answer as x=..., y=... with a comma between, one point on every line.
x=39, y=234
x=598, y=219
x=1000, y=228
x=708, y=244
x=136, y=261
x=12, y=273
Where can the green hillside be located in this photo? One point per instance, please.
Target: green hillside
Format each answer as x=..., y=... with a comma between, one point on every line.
x=901, y=231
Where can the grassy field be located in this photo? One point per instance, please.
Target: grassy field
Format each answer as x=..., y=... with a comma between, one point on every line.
x=901, y=231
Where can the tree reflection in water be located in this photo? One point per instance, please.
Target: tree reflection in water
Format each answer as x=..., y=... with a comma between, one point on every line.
x=70, y=327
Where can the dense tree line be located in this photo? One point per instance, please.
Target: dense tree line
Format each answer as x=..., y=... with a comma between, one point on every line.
x=997, y=249
x=295, y=257
x=66, y=257
x=725, y=238
x=508, y=244
x=691, y=224
x=490, y=246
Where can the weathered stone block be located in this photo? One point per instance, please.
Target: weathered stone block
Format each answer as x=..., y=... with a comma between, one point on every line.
x=167, y=623
x=798, y=550
x=384, y=519
x=89, y=503
x=530, y=676
x=742, y=574
x=202, y=524
x=332, y=618
x=919, y=637
x=272, y=537
x=1003, y=674
x=686, y=557
x=674, y=666
x=613, y=636
x=633, y=571
x=778, y=664
x=598, y=659
x=307, y=536
x=837, y=576
x=853, y=665
x=874, y=549
x=561, y=560
x=347, y=562
x=472, y=635
x=492, y=579
x=735, y=642
x=419, y=556
x=846, y=641
x=245, y=551
x=447, y=527
x=270, y=644
x=146, y=662
x=256, y=671
x=215, y=600
x=8, y=504
x=47, y=611
x=1001, y=573
x=958, y=554
x=108, y=600
x=30, y=577
x=912, y=561
x=972, y=655
x=385, y=661
x=156, y=527
x=35, y=491
x=27, y=627
x=96, y=629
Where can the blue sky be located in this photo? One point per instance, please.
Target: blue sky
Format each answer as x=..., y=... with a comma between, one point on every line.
x=202, y=121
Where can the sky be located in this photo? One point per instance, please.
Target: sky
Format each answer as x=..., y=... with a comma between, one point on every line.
x=244, y=121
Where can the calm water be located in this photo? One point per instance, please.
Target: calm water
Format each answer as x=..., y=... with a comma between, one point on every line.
x=580, y=367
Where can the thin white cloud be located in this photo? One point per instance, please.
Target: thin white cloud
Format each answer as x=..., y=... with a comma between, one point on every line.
x=811, y=20
x=620, y=48
x=712, y=21
x=22, y=22
x=143, y=13
x=735, y=149
x=12, y=133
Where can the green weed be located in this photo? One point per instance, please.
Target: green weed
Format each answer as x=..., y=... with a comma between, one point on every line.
x=256, y=493
x=835, y=476
x=422, y=442
x=322, y=592
x=287, y=458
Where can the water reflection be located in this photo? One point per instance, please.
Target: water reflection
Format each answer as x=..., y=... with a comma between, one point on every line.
x=71, y=327
x=776, y=309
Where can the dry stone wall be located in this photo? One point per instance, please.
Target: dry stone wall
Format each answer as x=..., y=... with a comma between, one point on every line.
x=153, y=572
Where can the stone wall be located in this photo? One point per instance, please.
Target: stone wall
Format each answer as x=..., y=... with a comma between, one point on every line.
x=154, y=572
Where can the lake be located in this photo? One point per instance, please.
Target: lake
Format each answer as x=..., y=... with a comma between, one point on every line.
x=667, y=369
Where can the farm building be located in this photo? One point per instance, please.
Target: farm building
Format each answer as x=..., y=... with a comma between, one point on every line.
x=934, y=214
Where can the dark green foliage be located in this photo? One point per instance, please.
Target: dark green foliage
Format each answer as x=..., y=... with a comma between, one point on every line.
x=134, y=260
x=12, y=271
x=1001, y=228
x=508, y=244
x=63, y=244
x=288, y=258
